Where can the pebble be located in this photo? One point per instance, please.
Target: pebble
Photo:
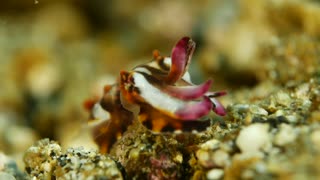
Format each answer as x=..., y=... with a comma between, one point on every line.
x=9, y=169
x=241, y=107
x=279, y=112
x=45, y=160
x=20, y=137
x=6, y=176
x=221, y=158
x=3, y=161
x=302, y=91
x=315, y=138
x=203, y=157
x=283, y=98
x=253, y=138
x=215, y=174
x=43, y=80
x=178, y=158
x=292, y=119
x=210, y=145
x=261, y=167
x=258, y=110
x=285, y=136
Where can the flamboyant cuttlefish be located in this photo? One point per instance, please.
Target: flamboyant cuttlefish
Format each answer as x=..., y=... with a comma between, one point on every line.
x=159, y=94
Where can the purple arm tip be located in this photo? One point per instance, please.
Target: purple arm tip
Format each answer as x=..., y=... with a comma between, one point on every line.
x=193, y=111
x=180, y=56
x=189, y=92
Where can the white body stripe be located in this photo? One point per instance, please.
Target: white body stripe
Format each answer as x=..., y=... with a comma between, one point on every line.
x=99, y=114
x=155, y=96
x=143, y=70
x=167, y=61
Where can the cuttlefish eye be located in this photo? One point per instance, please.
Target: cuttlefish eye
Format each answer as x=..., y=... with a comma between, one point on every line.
x=127, y=83
x=124, y=76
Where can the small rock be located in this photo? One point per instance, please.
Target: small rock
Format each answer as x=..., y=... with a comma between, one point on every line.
x=41, y=157
x=279, y=112
x=285, y=136
x=215, y=174
x=221, y=158
x=261, y=167
x=45, y=160
x=43, y=80
x=20, y=137
x=253, y=138
x=203, y=158
x=315, y=138
x=3, y=161
x=283, y=98
x=254, y=109
x=247, y=174
x=292, y=119
x=6, y=176
x=178, y=158
x=9, y=169
x=210, y=145
x=79, y=163
x=241, y=107
x=302, y=91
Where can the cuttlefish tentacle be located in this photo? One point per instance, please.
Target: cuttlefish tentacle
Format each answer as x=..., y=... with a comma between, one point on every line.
x=180, y=57
x=188, y=92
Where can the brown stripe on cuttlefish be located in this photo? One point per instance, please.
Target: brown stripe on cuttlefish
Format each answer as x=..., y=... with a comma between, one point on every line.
x=163, y=65
x=153, y=70
x=160, y=60
x=157, y=82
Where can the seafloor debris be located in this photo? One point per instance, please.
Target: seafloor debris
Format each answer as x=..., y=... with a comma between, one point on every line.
x=9, y=169
x=264, y=139
x=45, y=160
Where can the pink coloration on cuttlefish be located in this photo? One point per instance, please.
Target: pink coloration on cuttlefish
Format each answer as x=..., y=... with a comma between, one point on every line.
x=159, y=94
